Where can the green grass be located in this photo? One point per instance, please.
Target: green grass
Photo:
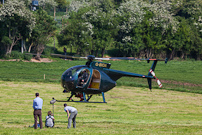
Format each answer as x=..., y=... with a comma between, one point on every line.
x=175, y=75
x=129, y=110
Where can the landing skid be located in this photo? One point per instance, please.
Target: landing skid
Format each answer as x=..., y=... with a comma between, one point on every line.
x=84, y=99
x=79, y=101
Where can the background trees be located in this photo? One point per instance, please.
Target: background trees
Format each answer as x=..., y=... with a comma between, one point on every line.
x=43, y=30
x=17, y=23
x=140, y=28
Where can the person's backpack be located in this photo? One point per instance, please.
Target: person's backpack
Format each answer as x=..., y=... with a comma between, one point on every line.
x=49, y=121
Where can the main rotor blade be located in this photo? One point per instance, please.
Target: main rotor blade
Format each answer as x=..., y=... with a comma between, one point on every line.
x=127, y=58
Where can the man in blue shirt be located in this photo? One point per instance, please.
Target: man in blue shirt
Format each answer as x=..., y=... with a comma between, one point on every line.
x=37, y=106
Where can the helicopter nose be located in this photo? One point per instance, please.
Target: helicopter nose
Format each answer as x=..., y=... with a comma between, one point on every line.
x=63, y=82
x=66, y=82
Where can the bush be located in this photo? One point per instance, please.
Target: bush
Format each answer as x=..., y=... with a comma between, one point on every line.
x=16, y=55
x=47, y=51
x=114, y=53
x=2, y=53
x=28, y=57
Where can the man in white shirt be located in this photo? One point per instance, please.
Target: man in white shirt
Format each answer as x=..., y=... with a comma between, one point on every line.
x=71, y=117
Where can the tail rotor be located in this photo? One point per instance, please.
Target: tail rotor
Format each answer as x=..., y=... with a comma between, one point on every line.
x=157, y=80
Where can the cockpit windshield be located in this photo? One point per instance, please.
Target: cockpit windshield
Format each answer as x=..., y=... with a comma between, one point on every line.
x=72, y=71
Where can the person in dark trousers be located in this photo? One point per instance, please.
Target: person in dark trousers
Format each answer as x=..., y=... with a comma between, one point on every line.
x=72, y=117
x=65, y=50
x=37, y=106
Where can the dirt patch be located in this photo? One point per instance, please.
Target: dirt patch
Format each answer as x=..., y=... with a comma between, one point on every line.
x=10, y=60
x=41, y=60
x=32, y=60
x=181, y=83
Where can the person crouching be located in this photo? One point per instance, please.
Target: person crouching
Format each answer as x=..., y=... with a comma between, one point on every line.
x=49, y=120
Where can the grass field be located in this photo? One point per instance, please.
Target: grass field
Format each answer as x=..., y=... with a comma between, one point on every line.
x=175, y=109
x=175, y=75
x=130, y=110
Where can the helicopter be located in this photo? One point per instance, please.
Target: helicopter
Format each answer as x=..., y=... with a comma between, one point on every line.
x=95, y=77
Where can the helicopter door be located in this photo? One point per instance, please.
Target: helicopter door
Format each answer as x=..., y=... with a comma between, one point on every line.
x=95, y=80
x=83, y=78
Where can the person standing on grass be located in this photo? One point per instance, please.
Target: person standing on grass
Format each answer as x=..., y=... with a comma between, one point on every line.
x=72, y=117
x=37, y=106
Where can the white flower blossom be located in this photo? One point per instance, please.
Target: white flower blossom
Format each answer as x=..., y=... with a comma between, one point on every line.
x=49, y=2
x=162, y=16
x=15, y=7
x=136, y=13
x=127, y=39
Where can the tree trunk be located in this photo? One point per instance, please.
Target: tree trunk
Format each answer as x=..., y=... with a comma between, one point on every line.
x=54, y=42
x=198, y=56
x=71, y=49
x=30, y=47
x=54, y=12
x=172, y=54
x=92, y=52
x=96, y=52
x=182, y=55
x=40, y=49
x=66, y=9
x=103, y=52
x=22, y=46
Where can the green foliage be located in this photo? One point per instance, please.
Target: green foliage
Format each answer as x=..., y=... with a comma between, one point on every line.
x=62, y=3
x=48, y=50
x=6, y=40
x=44, y=29
x=28, y=57
x=17, y=21
x=16, y=55
x=139, y=28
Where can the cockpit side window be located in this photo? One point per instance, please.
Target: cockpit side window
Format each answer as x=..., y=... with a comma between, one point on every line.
x=74, y=71
x=83, y=77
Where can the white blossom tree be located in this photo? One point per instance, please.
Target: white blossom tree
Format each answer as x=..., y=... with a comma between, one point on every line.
x=43, y=3
x=163, y=16
x=18, y=20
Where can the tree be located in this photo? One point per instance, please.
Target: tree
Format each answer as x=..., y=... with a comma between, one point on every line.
x=95, y=25
x=62, y=3
x=77, y=34
x=191, y=10
x=130, y=15
x=51, y=3
x=18, y=22
x=44, y=29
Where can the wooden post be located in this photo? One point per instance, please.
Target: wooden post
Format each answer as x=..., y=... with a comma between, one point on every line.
x=44, y=76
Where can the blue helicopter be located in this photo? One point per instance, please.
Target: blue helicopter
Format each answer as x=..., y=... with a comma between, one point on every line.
x=95, y=77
